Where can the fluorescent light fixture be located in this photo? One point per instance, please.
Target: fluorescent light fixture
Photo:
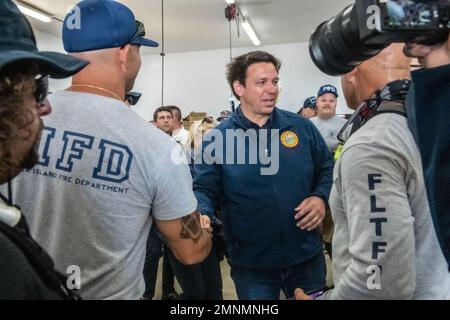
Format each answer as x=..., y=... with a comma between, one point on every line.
x=34, y=13
x=250, y=32
x=229, y=1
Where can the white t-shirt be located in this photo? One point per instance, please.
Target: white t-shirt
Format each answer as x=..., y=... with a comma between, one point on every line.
x=329, y=129
x=102, y=170
x=181, y=136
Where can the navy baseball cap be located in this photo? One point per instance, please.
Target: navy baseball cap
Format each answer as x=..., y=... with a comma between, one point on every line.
x=328, y=88
x=310, y=103
x=102, y=24
x=18, y=43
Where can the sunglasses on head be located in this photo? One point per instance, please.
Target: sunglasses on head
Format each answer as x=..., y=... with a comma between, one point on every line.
x=140, y=32
x=41, y=92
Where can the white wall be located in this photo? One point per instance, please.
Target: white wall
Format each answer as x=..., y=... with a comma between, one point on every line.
x=48, y=42
x=195, y=81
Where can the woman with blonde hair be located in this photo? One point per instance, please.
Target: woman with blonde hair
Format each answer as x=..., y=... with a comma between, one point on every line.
x=197, y=131
x=202, y=281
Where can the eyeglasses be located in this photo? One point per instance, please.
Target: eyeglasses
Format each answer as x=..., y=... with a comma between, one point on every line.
x=41, y=92
x=414, y=67
x=140, y=32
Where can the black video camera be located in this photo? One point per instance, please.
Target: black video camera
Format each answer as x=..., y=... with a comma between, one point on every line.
x=363, y=29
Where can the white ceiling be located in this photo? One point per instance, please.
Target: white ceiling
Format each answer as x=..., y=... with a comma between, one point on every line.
x=192, y=25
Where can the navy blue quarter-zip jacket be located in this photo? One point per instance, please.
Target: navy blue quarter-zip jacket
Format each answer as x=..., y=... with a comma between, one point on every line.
x=258, y=209
x=429, y=118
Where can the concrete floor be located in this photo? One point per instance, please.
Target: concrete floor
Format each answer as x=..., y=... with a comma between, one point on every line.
x=229, y=292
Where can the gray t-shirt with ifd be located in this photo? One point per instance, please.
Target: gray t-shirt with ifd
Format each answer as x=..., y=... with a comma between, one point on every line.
x=104, y=173
x=329, y=129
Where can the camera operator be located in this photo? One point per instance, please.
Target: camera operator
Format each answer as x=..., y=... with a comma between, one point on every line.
x=384, y=238
x=384, y=232
x=361, y=31
x=432, y=131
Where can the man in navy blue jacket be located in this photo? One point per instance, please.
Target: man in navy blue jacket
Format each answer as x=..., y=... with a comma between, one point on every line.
x=429, y=116
x=269, y=172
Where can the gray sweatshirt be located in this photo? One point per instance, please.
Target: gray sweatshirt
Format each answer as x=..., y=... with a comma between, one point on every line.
x=329, y=129
x=384, y=245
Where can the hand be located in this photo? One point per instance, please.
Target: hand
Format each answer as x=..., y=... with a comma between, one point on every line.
x=310, y=213
x=301, y=295
x=429, y=56
x=414, y=50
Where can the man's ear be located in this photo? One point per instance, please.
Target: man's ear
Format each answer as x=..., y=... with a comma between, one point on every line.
x=124, y=55
x=238, y=88
x=351, y=76
x=349, y=83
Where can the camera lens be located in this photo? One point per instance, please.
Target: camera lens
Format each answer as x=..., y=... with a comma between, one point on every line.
x=335, y=46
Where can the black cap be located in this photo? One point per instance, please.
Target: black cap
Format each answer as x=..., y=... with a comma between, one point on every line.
x=17, y=43
x=225, y=114
x=310, y=103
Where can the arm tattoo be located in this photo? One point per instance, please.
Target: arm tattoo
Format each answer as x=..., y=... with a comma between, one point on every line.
x=191, y=227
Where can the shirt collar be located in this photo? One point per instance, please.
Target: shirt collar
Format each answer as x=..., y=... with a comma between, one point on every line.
x=250, y=124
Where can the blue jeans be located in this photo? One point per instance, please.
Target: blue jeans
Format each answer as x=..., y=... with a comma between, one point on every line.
x=153, y=253
x=266, y=284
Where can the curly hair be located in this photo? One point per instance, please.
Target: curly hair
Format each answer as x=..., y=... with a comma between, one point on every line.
x=16, y=84
x=237, y=69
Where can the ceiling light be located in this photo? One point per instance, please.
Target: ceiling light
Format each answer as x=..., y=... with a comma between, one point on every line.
x=229, y=1
x=250, y=32
x=34, y=13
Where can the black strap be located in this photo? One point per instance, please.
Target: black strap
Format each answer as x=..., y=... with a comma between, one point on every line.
x=392, y=111
x=10, y=197
x=5, y=200
x=397, y=107
x=38, y=258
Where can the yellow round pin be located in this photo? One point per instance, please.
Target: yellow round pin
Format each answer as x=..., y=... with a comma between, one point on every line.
x=289, y=139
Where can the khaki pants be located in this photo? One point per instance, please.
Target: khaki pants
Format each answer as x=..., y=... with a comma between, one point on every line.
x=327, y=227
